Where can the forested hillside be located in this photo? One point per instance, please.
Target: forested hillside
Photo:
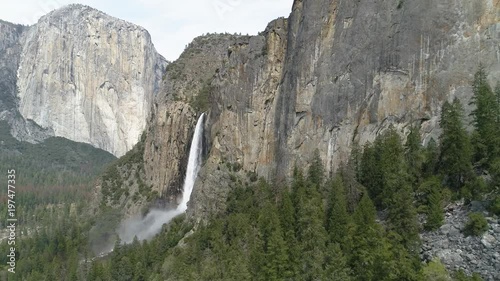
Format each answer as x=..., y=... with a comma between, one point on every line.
x=361, y=223
x=54, y=185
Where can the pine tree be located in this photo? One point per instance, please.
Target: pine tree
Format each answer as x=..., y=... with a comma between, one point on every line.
x=288, y=225
x=124, y=271
x=351, y=178
x=354, y=163
x=120, y=267
x=287, y=213
x=365, y=213
x=435, y=213
x=402, y=263
x=298, y=181
x=316, y=173
x=497, y=94
x=395, y=192
x=234, y=265
x=311, y=233
x=383, y=168
x=456, y=154
x=414, y=156
x=368, y=257
x=275, y=258
x=431, y=158
x=96, y=271
x=392, y=165
x=338, y=218
x=73, y=266
x=139, y=272
x=402, y=217
x=336, y=267
x=370, y=173
x=495, y=162
x=485, y=119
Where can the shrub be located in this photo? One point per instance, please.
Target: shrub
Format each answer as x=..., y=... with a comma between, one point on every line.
x=233, y=178
x=447, y=196
x=236, y=167
x=466, y=194
x=476, y=225
x=435, y=214
x=495, y=206
x=461, y=276
x=400, y=4
x=201, y=102
x=495, y=172
x=473, y=189
x=252, y=176
x=435, y=271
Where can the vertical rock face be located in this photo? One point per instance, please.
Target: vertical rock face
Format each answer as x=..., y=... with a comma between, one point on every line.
x=9, y=61
x=337, y=73
x=174, y=115
x=242, y=126
x=88, y=77
x=355, y=67
x=10, y=52
x=242, y=117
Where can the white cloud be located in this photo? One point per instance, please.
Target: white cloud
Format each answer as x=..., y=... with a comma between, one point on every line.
x=172, y=24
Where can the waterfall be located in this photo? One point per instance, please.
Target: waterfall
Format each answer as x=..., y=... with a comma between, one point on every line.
x=193, y=164
x=150, y=225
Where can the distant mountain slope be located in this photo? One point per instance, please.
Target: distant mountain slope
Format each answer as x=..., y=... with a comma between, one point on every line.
x=53, y=162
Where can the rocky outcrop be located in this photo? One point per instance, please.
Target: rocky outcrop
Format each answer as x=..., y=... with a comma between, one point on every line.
x=457, y=251
x=242, y=116
x=174, y=112
x=88, y=77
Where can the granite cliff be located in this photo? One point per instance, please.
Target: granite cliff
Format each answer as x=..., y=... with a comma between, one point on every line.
x=80, y=74
x=332, y=74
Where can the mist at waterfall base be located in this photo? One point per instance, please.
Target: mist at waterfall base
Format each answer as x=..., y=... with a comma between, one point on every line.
x=148, y=226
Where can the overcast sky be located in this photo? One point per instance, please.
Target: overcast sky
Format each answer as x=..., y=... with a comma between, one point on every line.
x=172, y=23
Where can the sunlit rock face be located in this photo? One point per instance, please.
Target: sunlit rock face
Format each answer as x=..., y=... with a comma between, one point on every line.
x=88, y=77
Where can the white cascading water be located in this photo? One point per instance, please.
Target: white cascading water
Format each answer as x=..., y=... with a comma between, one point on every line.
x=193, y=166
x=151, y=224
